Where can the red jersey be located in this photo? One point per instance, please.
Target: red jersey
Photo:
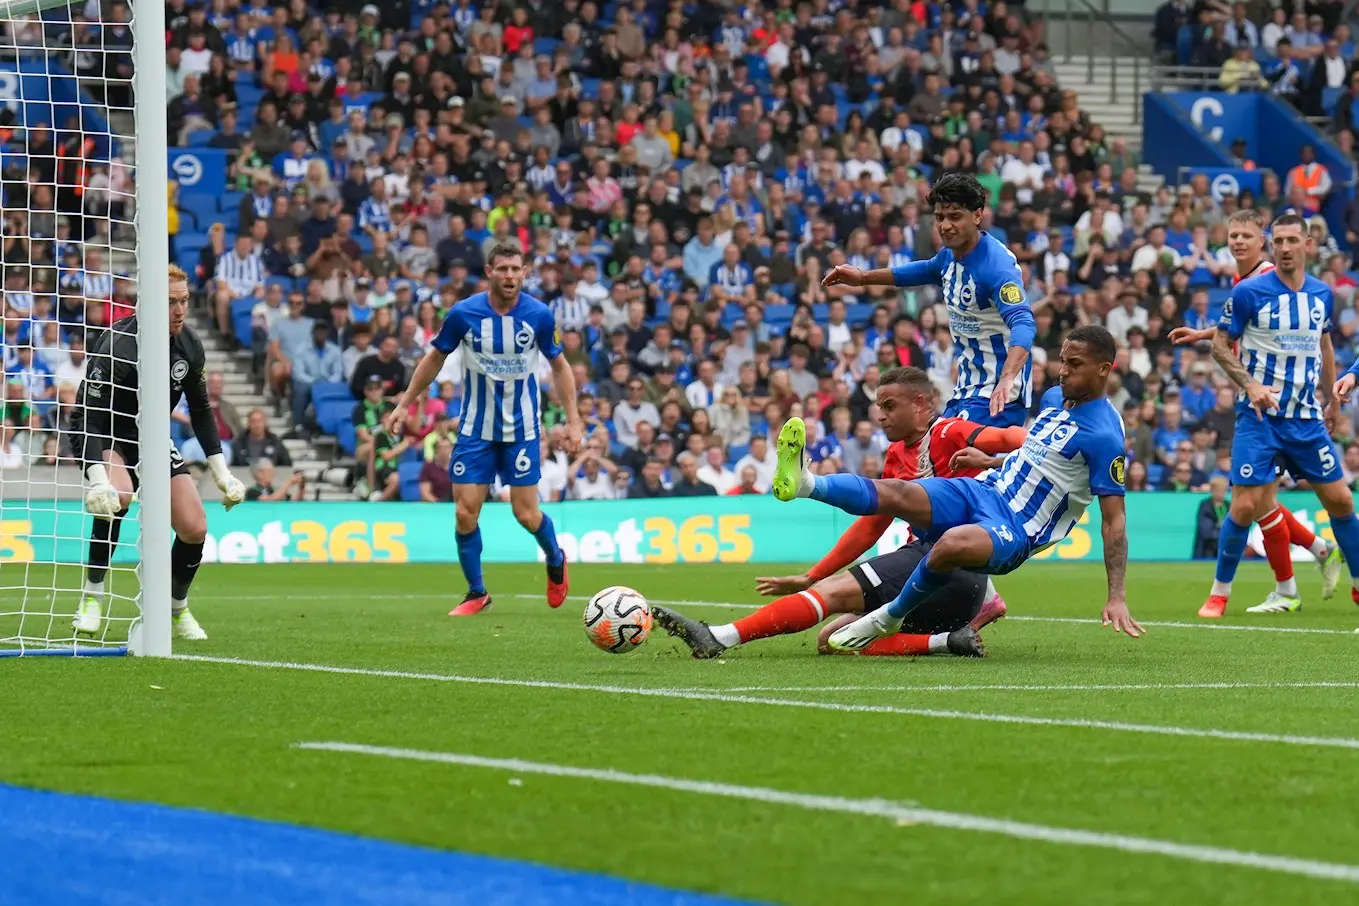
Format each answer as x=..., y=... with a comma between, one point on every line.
x=929, y=457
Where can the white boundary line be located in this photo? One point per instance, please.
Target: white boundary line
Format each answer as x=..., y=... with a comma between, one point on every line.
x=1077, y=687
x=1171, y=624
x=719, y=696
x=876, y=808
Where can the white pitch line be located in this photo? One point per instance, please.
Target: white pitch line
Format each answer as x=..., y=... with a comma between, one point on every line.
x=721, y=605
x=876, y=808
x=843, y=707
x=1079, y=687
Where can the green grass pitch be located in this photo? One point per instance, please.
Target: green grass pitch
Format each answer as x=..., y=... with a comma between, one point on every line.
x=222, y=736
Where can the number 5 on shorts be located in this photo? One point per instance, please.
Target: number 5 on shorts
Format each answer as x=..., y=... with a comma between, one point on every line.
x=1327, y=457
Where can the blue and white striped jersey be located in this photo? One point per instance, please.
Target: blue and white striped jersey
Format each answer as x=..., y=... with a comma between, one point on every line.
x=1280, y=332
x=500, y=353
x=988, y=313
x=1070, y=457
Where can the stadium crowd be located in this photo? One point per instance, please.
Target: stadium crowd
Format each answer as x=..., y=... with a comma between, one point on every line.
x=679, y=176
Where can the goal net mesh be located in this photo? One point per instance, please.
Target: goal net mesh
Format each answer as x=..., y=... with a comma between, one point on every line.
x=69, y=269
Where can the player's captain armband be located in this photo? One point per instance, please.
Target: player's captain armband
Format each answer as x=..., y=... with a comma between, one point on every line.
x=1011, y=294
x=1118, y=470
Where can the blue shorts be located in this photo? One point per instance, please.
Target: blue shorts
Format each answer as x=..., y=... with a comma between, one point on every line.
x=1301, y=446
x=477, y=461
x=966, y=501
x=978, y=410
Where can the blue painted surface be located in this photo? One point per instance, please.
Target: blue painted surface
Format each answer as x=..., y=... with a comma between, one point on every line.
x=62, y=849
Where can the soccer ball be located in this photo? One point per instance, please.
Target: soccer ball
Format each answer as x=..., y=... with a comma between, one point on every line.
x=617, y=620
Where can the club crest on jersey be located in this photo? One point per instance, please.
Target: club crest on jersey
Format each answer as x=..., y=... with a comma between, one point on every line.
x=1318, y=311
x=1011, y=294
x=1118, y=470
x=1062, y=433
x=178, y=370
x=523, y=339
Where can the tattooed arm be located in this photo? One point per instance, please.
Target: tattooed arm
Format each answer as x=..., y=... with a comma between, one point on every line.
x=1259, y=396
x=1115, y=534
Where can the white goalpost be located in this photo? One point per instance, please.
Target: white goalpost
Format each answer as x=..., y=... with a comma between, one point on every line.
x=84, y=181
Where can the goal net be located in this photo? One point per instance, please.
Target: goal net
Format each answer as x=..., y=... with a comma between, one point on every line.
x=83, y=245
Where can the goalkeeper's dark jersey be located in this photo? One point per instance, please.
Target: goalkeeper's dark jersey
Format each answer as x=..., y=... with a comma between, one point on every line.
x=107, y=403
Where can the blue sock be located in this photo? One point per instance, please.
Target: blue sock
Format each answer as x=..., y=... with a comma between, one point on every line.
x=1231, y=544
x=855, y=495
x=547, y=540
x=469, y=558
x=923, y=583
x=1346, y=530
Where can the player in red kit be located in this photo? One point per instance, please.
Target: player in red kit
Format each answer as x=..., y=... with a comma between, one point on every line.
x=923, y=445
x=1279, y=529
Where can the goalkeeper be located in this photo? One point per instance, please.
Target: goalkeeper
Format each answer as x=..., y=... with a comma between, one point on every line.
x=106, y=416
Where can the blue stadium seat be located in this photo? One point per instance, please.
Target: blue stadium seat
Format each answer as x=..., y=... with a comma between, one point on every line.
x=589, y=88
x=347, y=437
x=860, y=313
x=240, y=319
x=325, y=391
x=546, y=45
x=410, y=480
x=198, y=138
x=1156, y=473
x=1330, y=97
x=201, y=205
x=758, y=425
x=229, y=202
x=332, y=414
x=285, y=283
x=736, y=451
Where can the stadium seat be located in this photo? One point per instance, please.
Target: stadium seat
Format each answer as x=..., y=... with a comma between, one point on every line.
x=229, y=202
x=1156, y=473
x=860, y=313
x=325, y=391
x=284, y=283
x=202, y=206
x=736, y=451
x=333, y=413
x=347, y=437
x=198, y=138
x=410, y=480
x=240, y=319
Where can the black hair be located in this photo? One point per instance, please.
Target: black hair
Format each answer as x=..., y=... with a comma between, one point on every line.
x=1098, y=341
x=960, y=189
x=907, y=376
x=1288, y=220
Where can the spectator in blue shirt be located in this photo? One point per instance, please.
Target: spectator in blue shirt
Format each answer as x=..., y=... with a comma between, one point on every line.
x=1170, y=433
x=1197, y=396
x=319, y=360
x=702, y=254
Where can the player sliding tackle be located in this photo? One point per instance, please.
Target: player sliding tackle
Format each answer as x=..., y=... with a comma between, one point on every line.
x=993, y=524
x=1278, y=529
x=106, y=415
x=923, y=445
x=502, y=333
x=1283, y=322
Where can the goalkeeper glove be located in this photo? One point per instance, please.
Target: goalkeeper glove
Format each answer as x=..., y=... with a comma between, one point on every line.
x=233, y=492
x=101, y=497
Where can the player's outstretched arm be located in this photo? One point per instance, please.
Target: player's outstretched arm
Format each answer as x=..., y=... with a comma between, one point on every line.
x=430, y=365
x=1115, y=534
x=1185, y=336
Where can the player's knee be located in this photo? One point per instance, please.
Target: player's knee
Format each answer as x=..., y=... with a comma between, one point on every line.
x=823, y=637
x=949, y=552
x=1336, y=498
x=467, y=519
x=193, y=529
x=840, y=594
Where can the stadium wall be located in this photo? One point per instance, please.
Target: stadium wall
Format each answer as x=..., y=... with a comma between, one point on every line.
x=688, y=530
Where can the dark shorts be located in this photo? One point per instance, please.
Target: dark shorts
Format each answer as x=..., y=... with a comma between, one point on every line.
x=130, y=452
x=882, y=578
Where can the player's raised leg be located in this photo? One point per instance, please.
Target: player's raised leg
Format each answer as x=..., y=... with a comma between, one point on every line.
x=190, y=525
x=104, y=531
x=468, y=498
